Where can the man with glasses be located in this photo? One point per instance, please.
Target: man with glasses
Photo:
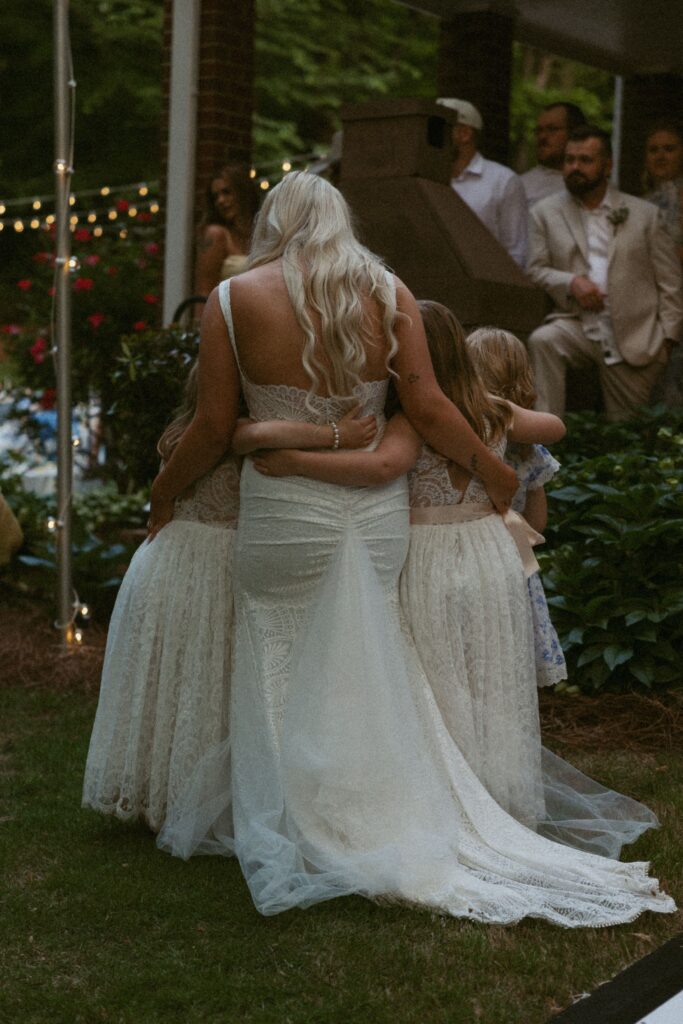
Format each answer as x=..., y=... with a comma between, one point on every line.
x=555, y=123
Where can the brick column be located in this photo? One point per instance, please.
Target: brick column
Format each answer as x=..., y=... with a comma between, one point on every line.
x=226, y=87
x=647, y=98
x=475, y=64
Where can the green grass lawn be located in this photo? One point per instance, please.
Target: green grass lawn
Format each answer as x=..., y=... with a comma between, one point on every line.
x=97, y=925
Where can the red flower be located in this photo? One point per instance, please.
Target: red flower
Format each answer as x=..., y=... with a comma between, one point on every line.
x=51, y=290
x=11, y=329
x=152, y=248
x=24, y=284
x=96, y=319
x=144, y=217
x=42, y=257
x=112, y=270
x=150, y=299
x=122, y=205
x=92, y=259
x=83, y=235
x=48, y=398
x=38, y=350
x=83, y=284
x=140, y=325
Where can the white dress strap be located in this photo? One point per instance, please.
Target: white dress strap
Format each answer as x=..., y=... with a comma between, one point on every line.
x=226, y=309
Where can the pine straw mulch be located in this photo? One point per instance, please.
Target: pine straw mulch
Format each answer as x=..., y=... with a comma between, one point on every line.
x=31, y=656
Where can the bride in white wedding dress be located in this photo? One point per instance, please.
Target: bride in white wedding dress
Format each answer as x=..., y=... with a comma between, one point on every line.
x=340, y=776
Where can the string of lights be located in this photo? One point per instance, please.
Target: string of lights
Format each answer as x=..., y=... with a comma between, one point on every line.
x=36, y=217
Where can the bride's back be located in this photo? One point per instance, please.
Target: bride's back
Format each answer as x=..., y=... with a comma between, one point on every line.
x=270, y=338
x=316, y=309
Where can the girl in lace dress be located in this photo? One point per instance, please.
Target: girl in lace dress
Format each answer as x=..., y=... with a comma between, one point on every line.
x=503, y=365
x=165, y=690
x=465, y=599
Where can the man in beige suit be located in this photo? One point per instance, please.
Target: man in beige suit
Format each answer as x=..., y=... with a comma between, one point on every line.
x=615, y=280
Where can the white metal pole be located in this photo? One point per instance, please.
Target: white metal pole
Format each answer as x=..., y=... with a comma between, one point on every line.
x=63, y=86
x=617, y=128
x=182, y=132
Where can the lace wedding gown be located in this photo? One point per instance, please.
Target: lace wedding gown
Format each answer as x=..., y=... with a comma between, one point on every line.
x=342, y=777
x=164, y=695
x=466, y=601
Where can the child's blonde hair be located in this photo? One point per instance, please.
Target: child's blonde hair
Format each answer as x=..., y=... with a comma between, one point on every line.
x=174, y=431
x=503, y=365
x=457, y=375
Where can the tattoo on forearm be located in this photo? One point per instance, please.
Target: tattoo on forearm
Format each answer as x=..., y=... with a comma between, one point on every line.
x=413, y=377
x=474, y=464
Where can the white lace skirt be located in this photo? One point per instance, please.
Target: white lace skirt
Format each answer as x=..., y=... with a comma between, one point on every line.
x=164, y=696
x=339, y=776
x=466, y=603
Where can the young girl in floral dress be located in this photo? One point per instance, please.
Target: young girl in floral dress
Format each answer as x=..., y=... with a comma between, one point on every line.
x=503, y=365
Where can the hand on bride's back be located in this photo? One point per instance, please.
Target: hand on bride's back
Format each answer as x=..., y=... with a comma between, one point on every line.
x=356, y=432
x=503, y=488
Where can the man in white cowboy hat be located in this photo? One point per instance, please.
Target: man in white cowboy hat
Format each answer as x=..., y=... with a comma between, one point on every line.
x=492, y=191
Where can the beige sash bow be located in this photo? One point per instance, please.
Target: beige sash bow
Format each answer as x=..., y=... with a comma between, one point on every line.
x=524, y=536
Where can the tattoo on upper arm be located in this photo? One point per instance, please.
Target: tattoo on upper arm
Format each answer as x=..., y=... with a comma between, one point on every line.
x=413, y=378
x=205, y=244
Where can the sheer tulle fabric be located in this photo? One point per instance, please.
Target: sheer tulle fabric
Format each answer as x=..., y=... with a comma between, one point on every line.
x=464, y=596
x=164, y=696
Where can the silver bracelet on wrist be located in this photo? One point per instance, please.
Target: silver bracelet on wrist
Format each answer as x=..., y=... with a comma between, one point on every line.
x=335, y=434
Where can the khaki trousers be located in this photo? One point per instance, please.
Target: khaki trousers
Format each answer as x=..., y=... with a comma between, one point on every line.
x=561, y=343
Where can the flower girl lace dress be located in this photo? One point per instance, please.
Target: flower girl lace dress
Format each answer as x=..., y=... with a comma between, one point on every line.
x=464, y=596
x=339, y=775
x=164, y=694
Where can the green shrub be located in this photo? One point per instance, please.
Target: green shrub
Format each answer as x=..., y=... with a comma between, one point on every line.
x=147, y=382
x=613, y=568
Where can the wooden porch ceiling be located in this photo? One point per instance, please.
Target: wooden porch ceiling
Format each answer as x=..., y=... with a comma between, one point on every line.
x=622, y=36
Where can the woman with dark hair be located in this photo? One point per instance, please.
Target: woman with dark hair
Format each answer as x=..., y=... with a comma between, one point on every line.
x=225, y=230
x=663, y=176
x=663, y=185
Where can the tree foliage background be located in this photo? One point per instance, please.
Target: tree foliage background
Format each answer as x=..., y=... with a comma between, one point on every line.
x=312, y=56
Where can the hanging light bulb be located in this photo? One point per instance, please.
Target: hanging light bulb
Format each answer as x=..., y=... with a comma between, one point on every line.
x=78, y=636
x=154, y=208
x=84, y=611
x=286, y=166
x=18, y=225
x=72, y=199
x=2, y=207
x=92, y=217
x=132, y=211
x=35, y=223
x=73, y=263
x=97, y=232
x=50, y=219
x=51, y=524
x=112, y=215
x=60, y=166
x=37, y=204
x=123, y=233
x=143, y=190
x=252, y=172
x=265, y=184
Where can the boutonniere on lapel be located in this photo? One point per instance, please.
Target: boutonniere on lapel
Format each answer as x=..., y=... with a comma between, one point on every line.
x=617, y=217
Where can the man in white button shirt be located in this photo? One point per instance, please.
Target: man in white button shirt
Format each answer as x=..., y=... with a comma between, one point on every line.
x=614, y=277
x=554, y=124
x=492, y=191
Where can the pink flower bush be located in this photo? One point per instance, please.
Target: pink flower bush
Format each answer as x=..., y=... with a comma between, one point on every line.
x=140, y=325
x=83, y=284
x=38, y=350
x=96, y=320
x=24, y=284
x=150, y=299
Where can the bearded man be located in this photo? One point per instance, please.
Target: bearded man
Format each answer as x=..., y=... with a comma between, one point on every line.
x=614, y=277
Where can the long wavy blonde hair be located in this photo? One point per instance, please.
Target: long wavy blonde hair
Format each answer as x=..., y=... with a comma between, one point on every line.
x=503, y=365
x=456, y=373
x=184, y=416
x=306, y=223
